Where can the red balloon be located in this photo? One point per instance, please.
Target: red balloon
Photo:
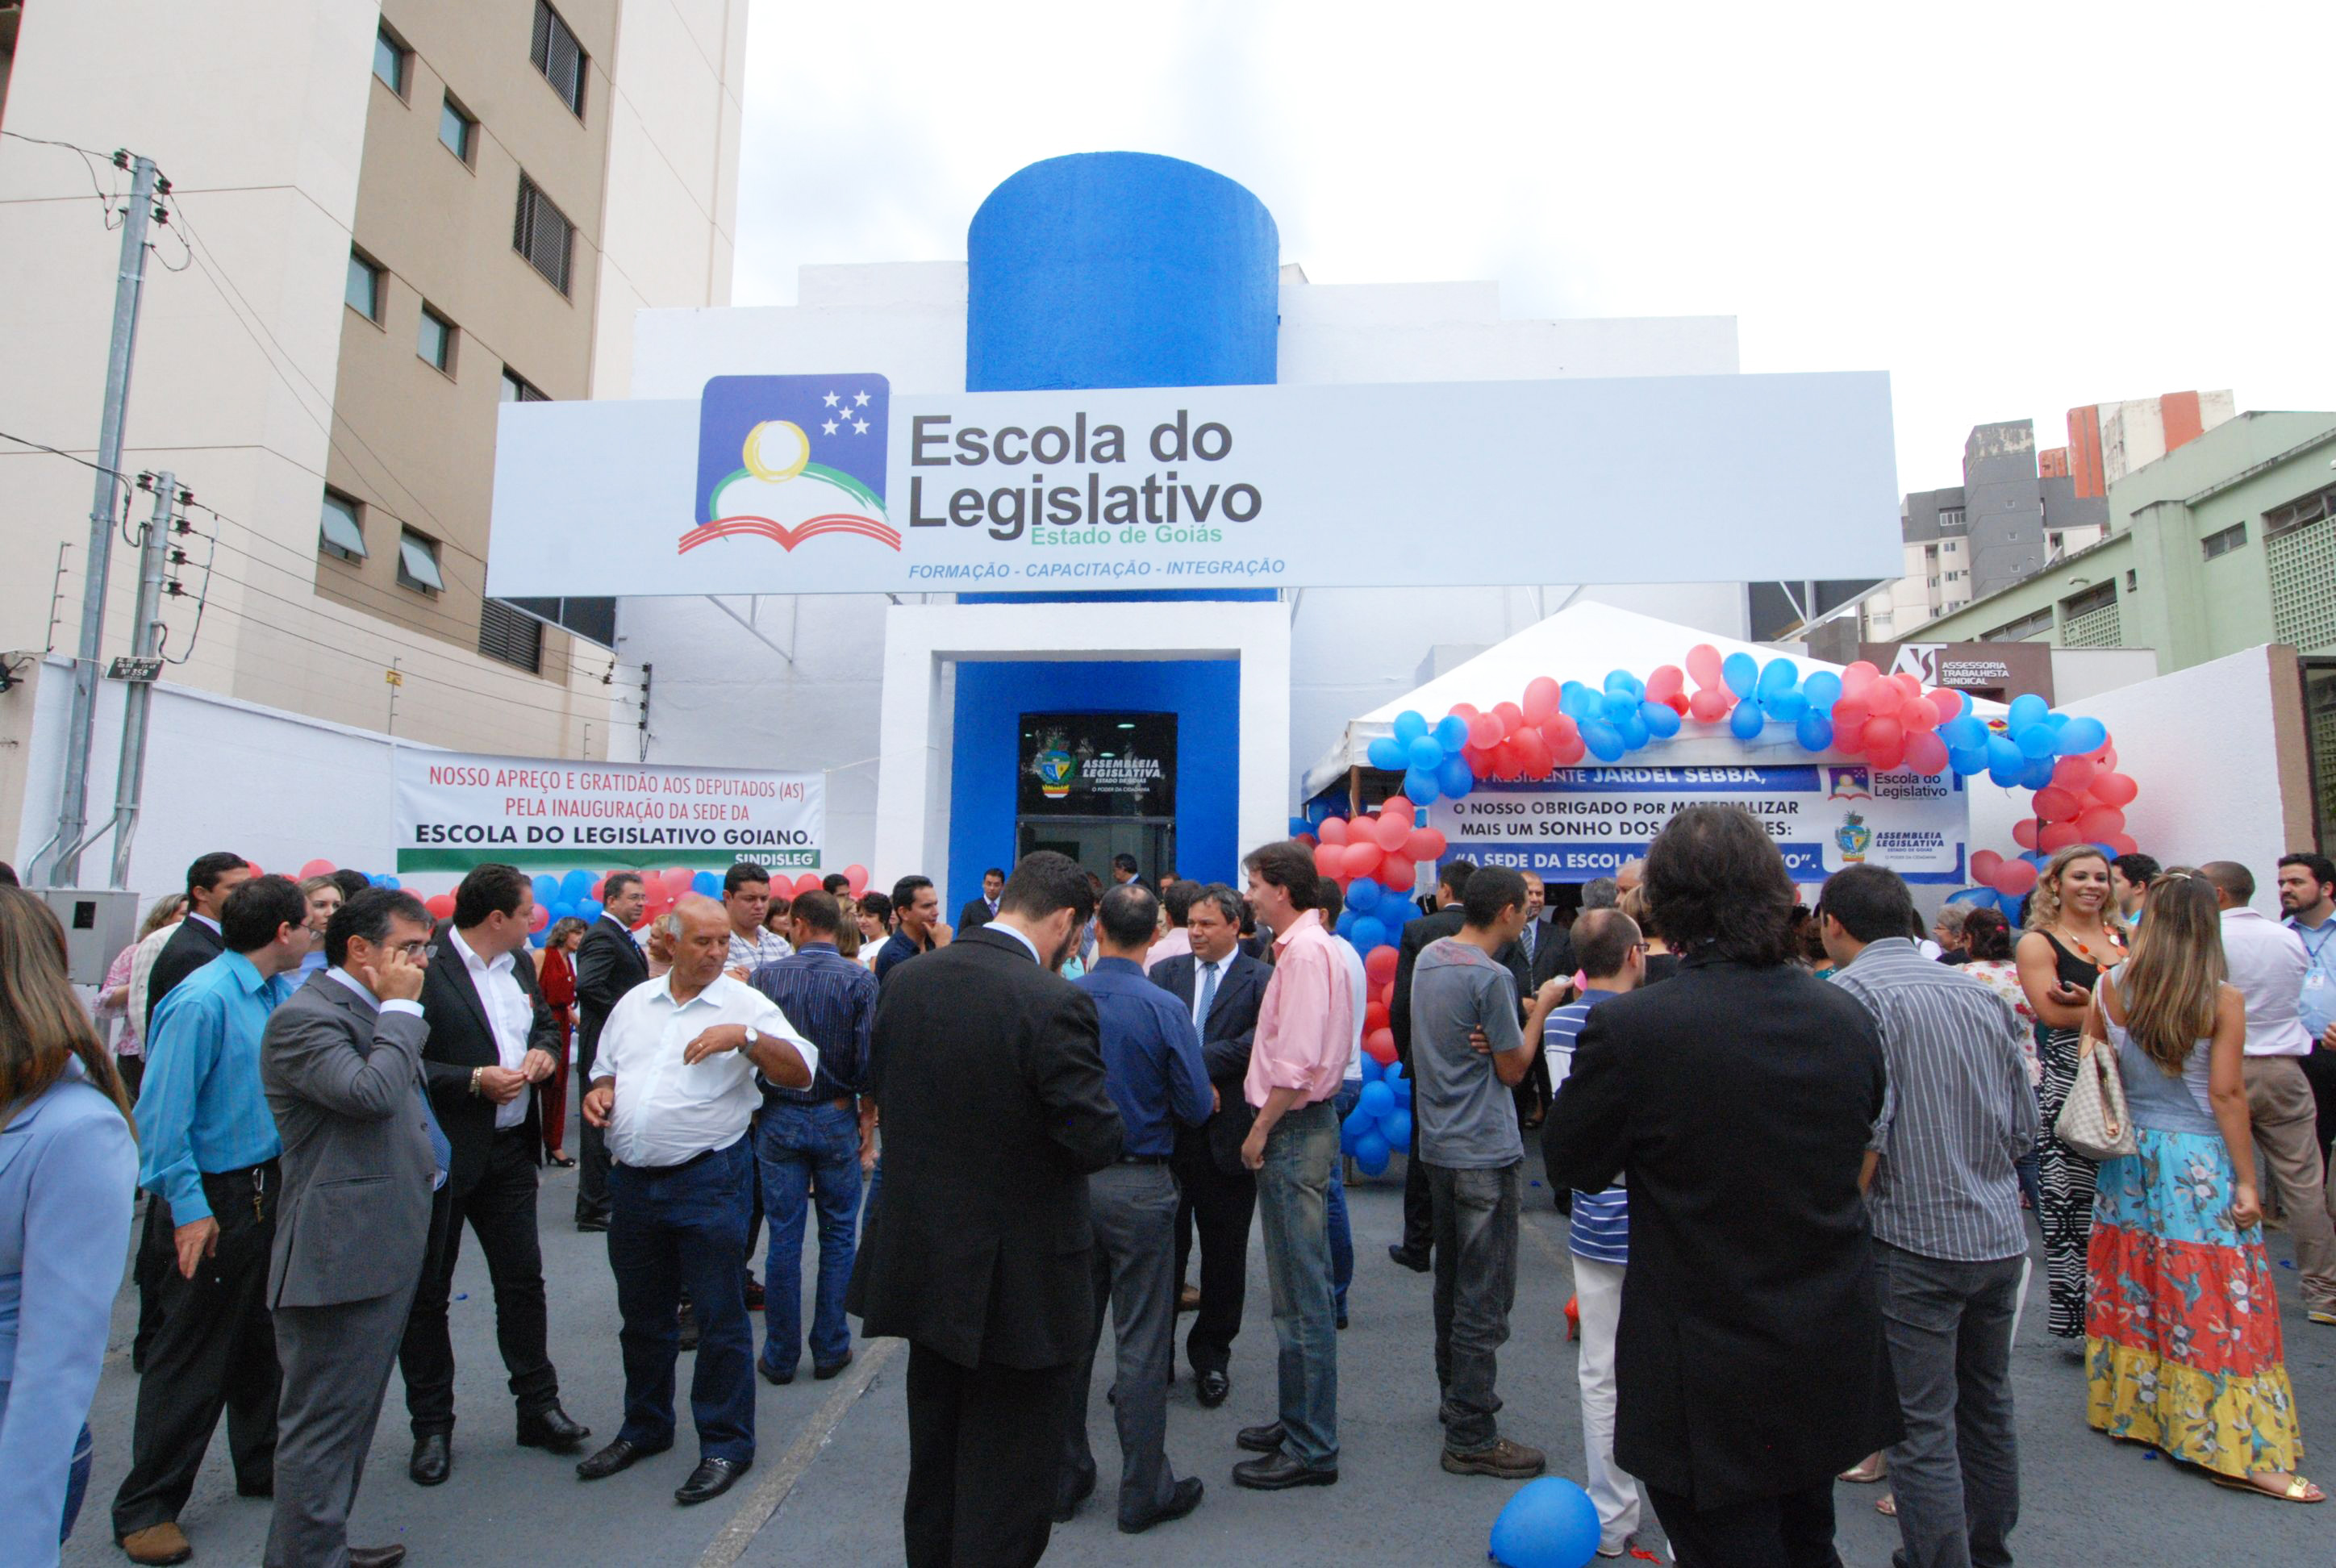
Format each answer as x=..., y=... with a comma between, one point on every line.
x=1951, y=704
x=1532, y=752
x=1423, y=844
x=1392, y=830
x=1703, y=663
x=1911, y=686
x=1857, y=676
x=1396, y=871
x=1465, y=710
x=1541, y=699
x=598, y=884
x=1885, y=735
x=2124, y=844
x=2075, y=774
x=856, y=879
x=1884, y=697
x=1483, y=732
x=2055, y=804
x=1984, y=864
x=1399, y=808
x=1667, y=681
x=1507, y=762
x=1512, y=717
x=2054, y=837
x=2023, y=832
x=809, y=882
x=317, y=869
x=1330, y=860
x=1562, y=734
x=2114, y=789
x=540, y=919
x=2014, y=878
x=1569, y=752
x=1926, y=753
x=1379, y=1044
x=1363, y=857
x=1708, y=706
x=1919, y=715
x=439, y=905
x=1849, y=739
x=1375, y=1017
x=2098, y=823
x=1885, y=758
x=1379, y=966
x=1851, y=711
x=1333, y=830
x=677, y=879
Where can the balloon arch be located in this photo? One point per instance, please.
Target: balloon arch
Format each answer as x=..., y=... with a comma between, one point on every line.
x=1891, y=721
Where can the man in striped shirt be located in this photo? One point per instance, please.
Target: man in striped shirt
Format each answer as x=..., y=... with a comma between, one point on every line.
x=1944, y=1202
x=1612, y=955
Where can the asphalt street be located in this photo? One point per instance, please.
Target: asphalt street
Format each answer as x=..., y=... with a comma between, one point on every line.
x=833, y=1456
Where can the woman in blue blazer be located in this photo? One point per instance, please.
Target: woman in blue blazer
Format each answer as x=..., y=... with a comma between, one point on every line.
x=68, y=1170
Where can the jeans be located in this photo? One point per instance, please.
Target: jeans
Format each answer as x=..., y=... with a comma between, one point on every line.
x=667, y=1229
x=1293, y=1199
x=1342, y=1235
x=1476, y=1231
x=1956, y=1473
x=809, y=1154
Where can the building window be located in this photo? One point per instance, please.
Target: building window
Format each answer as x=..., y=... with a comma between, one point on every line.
x=517, y=388
x=457, y=132
x=1951, y=517
x=593, y=620
x=436, y=341
x=543, y=235
x=2090, y=600
x=2027, y=627
x=2089, y=619
x=363, y=289
x=1957, y=576
x=510, y=636
x=2132, y=581
x=389, y=59
x=560, y=58
x=2223, y=541
x=2300, y=555
x=417, y=563
x=343, y=531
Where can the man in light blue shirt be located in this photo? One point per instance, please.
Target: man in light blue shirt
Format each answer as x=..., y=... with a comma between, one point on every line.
x=207, y=1148
x=2307, y=897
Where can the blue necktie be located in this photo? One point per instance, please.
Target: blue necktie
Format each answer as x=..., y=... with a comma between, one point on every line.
x=1208, y=994
x=441, y=1150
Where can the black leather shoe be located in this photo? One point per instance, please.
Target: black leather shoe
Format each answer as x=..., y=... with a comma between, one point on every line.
x=710, y=1480
x=1260, y=1439
x=769, y=1376
x=618, y=1455
x=1182, y=1500
x=589, y=1225
x=1279, y=1473
x=824, y=1373
x=1211, y=1389
x=377, y=1556
x=434, y=1459
x=1066, y=1502
x=258, y=1487
x=1417, y=1263
x=550, y=1428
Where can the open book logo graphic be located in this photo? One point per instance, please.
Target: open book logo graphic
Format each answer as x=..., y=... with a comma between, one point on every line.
x=791, y=459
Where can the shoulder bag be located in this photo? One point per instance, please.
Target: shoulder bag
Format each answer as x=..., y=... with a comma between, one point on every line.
x=2093, y=1120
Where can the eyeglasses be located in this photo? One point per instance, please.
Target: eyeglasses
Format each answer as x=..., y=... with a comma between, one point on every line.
x=415, y=949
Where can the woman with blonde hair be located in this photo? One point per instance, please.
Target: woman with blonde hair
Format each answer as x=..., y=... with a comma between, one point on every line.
x=120, y=984
x=324, y=895
x=2182, y=1336
x=68, y=1166
x=2073, y=934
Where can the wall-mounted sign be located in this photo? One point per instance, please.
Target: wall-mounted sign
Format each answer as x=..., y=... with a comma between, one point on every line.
x=1580, y=823
x=1997, y=671
x=831, y=483
x=1110, y=764
x=455, y=811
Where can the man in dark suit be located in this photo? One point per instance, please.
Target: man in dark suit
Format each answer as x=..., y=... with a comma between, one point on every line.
x=1220, y=987
x=608, y=963
x=978, y=912
x=492, y=1040
x=197, y=941
x=1737, y=1101
x=979, y=1248
x=1125, y=872
x=1418, y=1213
x=342, y=1064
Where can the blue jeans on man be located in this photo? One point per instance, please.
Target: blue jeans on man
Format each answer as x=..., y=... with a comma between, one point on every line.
x=1302, y=1156
x=679, y=1226
x=810, y=1155
x=1342, y=1235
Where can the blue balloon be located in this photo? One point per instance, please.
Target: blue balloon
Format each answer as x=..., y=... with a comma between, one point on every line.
x=1300, y=825
x=1371, y=1069
x=377, y=880
x=1452, y=732
x=1604, y=741
x=1964, y=732
x=1377, y=1102
x=588, y=910
x=1371, y=1153
x=2026, y=708
x=562, y=910
x=1746, y=720
x=1426, y=752
x=1409, y=727
x=1577, y=701
x=1370, y=932
x=1401, y=1086
x=1787, y=706
x=1662, y=719
x=1364, y=896
x=1741, y=671
x=2081, y=735
x=1454, y=778
x=1633, y=728
x=546, y=890
x=1419, y=786
x=1386, y=753
x=1822, y=689
x=2037, y=774
x=1777, y=675
x=2004, y=763
x=1345, y=925
x=2038, y=740
x=706, y=882
x=576, y=884
x=1551, y=1522
x=1394, y=1075
x=1813, y=731
x=391, y=882
x=1967, y=760
x=1395, y=1128
x=1622, y=683
x=1617, y=706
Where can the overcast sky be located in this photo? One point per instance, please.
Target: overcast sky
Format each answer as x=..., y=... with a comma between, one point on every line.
x=2013, y=210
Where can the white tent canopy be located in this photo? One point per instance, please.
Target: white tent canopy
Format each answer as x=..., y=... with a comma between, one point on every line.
x=1582, y=642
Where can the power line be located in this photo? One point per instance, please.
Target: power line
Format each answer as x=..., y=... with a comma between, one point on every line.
x=109, y=202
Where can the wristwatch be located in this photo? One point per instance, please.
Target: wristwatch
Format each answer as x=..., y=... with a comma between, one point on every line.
x=753, y=1037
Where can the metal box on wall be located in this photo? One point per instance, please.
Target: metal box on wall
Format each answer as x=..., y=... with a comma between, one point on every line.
x=99, y=923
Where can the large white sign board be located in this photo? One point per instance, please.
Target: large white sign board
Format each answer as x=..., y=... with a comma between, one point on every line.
x=830, y=485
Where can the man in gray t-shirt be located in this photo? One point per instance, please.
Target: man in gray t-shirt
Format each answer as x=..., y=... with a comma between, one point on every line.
x=1474, y=1161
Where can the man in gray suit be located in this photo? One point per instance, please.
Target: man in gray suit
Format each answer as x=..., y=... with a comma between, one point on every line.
x=342, y=1061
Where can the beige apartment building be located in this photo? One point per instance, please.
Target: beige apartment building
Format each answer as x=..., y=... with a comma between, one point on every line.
x=383, y=221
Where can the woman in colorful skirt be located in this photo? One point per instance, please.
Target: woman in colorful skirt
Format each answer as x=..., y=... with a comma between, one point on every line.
x=2182, y=1338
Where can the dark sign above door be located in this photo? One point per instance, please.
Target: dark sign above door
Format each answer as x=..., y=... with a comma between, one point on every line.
x=1104, y=765
x=1997, y=671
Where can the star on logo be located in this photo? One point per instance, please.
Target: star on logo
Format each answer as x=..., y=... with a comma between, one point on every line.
x=861, y=401
x=831, y=400
x=829, y=428
x=858, y=427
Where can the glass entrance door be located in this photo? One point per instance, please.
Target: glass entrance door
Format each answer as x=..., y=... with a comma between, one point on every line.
x=1092, y=841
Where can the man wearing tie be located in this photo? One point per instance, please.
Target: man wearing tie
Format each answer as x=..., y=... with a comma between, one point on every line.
x=1152, y=1062
x=1220, y=987
x=362, y=1156
x=196, y=941
x=608, y=963
x=978, y=912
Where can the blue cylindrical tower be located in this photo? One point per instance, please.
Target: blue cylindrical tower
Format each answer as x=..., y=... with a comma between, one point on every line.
x=1120, y=269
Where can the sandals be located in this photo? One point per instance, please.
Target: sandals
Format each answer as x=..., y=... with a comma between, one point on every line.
x=1866, y=1473
x=2298, y=1490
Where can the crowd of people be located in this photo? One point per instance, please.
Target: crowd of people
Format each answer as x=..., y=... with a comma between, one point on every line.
x=1012, y=1131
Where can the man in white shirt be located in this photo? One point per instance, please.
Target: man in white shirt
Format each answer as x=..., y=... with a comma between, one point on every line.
x=2268, y=964
x=675, y=1086
x=745, y=901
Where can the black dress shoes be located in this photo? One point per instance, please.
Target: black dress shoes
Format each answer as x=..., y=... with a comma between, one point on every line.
x=433, y=1461
x=1417, y=1263
x=589, y=1226
x=823, y=1374
x=377, y=1556
x=1279, y=1473
x=1069, y=1499
x=710, y=1480
x=618, y=1455
x=1260, y=1439
x=1211, y=1389
x=550, y=1428
x=1182, y=1500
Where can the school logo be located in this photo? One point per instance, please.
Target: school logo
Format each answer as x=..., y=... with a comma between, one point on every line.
x=1853, y=838
x=1848, y=784
x=1055, y=768
x=790, y=458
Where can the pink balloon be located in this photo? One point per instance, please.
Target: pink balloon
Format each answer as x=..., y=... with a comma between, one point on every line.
x=1849, y=739
x=2055, y=804
x=2114, y=789
x=317, y=869
x=675, y=879
x=809, y=882
x=1541, y=699
x=2074, y=772
x=1464, y=711
x=1483, y=732
x=1667, y=681
x=1919, y=715
x=1926, y=753
x=856, y=878
x=1857, y=676
x=1984, y=863
x=1363, y=857
x=1850, y=711
x=1709, y=706
x=2014, y=878
x=1703, y=663
x=1562, y=733
x=2054, y=837
x=2124, y=844
x=1423, y=844
x=1396, y=871
x=1951, y=704
x=1507, y=762
x=1330, y=860
x=1400, y=808
x=1884, y=758
x=1512, y=717
x=2098, y=823
x=540, y=919
x=1884, y=697
x=439, y=905
x=1568, y=751
x=1532, y=752
x=1333, y=830
x=1884, y=736
x=2023, y=832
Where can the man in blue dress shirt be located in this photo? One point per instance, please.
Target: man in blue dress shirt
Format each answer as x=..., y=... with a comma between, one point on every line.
x=1152, y=1063
x=207, y=1148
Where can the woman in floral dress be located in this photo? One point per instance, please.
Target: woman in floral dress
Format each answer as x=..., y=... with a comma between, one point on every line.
x=2182, y=1335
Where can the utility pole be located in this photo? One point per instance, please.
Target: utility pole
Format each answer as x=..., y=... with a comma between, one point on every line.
x=130, y=774
x=394, y=678
x=73, y=804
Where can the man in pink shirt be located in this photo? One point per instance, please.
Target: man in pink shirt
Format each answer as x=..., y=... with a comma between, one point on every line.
x=1305, y=1027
